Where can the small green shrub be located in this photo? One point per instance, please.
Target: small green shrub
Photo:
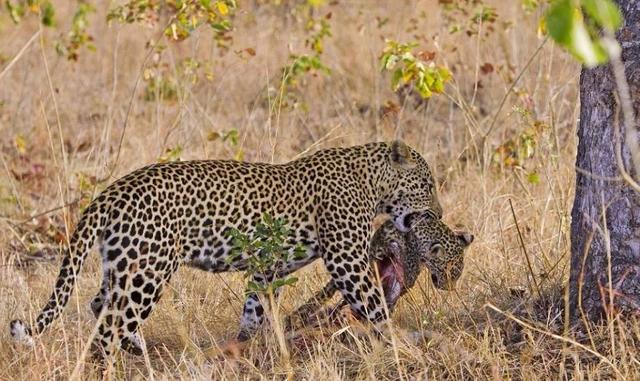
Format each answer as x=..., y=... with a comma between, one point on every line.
x=268, y=252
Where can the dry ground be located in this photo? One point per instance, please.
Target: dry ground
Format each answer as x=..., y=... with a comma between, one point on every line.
x=60, y=127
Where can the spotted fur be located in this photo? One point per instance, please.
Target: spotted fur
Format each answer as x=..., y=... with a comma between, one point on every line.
x=159, y=217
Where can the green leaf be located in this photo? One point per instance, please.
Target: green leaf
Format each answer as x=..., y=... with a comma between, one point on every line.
x=299, y=252
x=559, y=20
x=566, y=26
x=444, y=73
x=172, y=154
x=424, y=90
x=529, y=5
x=255, y=287
x=231, y=136
x=396, y=78
x=290, y=281
x=16, y=11
x=48, y=14
x=590, y=52
x=533, y=178
x=284, y=282
x=605, y=12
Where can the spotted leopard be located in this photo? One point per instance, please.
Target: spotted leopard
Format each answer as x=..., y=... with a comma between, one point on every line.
x=399, y=257
x=159, y=217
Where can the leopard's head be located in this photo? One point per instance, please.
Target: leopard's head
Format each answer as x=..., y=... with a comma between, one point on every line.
x=441, y=249
x=409, y=187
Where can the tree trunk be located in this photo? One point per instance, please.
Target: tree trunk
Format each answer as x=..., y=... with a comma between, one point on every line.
x=606, y=211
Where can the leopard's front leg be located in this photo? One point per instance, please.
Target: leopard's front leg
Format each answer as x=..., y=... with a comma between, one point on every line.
x=253, y=312
x=345, y=254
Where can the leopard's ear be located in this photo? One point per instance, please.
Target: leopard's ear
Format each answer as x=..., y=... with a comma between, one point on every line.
x=465, y=238
x=400, y=155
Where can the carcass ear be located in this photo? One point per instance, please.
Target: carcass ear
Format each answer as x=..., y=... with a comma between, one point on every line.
x=465, y=237
x=413, y=219
x=400, y=156
x=394, y=247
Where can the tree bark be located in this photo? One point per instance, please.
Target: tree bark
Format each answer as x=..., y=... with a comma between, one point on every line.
x=606, y=211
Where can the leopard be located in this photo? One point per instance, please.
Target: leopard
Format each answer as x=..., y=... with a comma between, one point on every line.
x=155, y=219
x=399, y=258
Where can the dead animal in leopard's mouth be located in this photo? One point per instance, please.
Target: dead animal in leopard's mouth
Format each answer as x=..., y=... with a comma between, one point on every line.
x=392, y=277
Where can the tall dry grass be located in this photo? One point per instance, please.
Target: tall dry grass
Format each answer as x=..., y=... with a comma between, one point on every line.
x=71, y=117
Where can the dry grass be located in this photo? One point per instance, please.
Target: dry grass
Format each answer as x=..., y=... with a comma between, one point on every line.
x=71, y=116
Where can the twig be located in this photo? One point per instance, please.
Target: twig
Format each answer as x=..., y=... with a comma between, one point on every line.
x=583, y=316
x=524, y=249
x=152, y=48
x=19, y=55
x=513, y=85
x=66, y=205
x=618, y=148
x=615, y=54
x=598, y=177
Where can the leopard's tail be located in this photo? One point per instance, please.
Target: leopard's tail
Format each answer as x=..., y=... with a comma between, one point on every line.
x=87, y=231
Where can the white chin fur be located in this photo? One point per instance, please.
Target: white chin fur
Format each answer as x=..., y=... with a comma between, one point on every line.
x=20, y=334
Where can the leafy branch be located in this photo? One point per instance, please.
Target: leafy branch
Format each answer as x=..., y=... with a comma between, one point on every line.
x=267, y=252
x=415, y=68
x=566, y=23
x=188, y=16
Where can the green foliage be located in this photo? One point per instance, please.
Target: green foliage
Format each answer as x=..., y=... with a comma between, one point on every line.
x=467, y=16
x=530, y=5
x=316, y=3
x=533, y=178
x=294, y=77
x=301, y=65
x=187, y=16
x=171, y=154
x=164, y=83
x=485, y=14
x=69, y=44
x=295, y=74
x=517, y=150
x=566, y=23
x=417, y=69
x=16, y=11
x=88, y=186
x=20, y=9
x=319, y=29
x=161, y=84
x=231, y=137
x=605, y=13
x=78, y=36
x=135, y=11
x=160, y=88
x=48, y=14
x=267, y=252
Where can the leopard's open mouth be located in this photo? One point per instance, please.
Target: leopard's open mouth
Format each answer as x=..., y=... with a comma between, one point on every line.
x=392, y=276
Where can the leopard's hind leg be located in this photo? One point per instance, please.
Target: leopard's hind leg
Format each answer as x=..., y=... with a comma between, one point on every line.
x=131, y=289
